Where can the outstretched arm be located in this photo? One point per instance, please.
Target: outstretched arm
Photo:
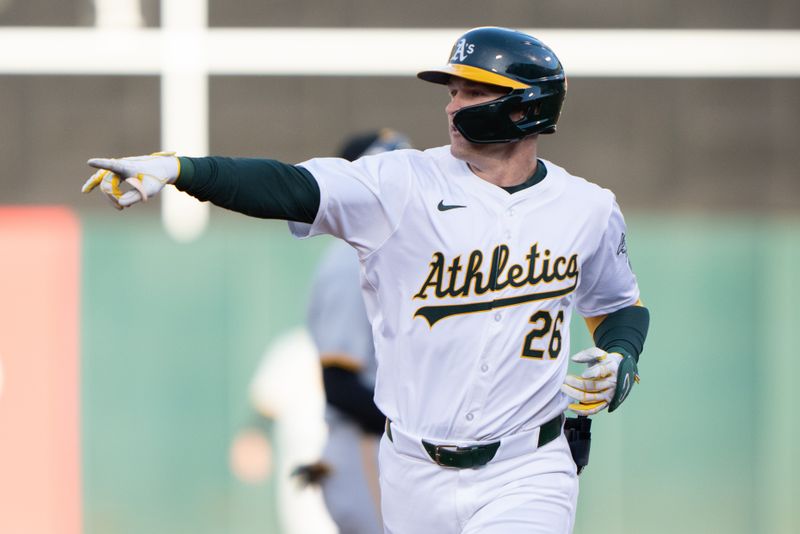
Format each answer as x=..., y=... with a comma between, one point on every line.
x=263, y=188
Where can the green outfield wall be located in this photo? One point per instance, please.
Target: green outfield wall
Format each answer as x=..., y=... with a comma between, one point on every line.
x=170, y=334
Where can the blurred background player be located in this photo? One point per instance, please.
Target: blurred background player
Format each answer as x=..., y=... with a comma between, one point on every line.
x=347, y=472
x=337, y=321
x=285, y=429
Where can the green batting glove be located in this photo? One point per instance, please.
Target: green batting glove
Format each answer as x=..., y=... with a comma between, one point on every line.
x=627, y=374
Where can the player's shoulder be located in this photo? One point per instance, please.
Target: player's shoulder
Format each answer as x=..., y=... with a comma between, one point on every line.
x=413, y=156
x=416, y=157
x=580, y=190
x=402, y=154
x=397, y=166
x=371, y=163
x=437, y=153
x=424, y=169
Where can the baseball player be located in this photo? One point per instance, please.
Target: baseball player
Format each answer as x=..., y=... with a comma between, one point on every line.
x=338, y=323
x=288, y=403
x=473, y=258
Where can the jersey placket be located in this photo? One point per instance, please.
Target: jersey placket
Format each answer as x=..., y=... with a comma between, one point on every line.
x=495, y=321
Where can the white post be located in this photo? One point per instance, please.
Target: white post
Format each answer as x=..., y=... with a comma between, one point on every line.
x=118, y=13
x=184, y=107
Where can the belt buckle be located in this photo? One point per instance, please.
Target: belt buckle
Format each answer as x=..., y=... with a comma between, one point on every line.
x=437, y=453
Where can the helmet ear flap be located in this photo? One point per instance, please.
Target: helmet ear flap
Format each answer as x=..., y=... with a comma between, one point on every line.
x=537, y=109
x=498, y=121
x=528, y=110
x=534, y=112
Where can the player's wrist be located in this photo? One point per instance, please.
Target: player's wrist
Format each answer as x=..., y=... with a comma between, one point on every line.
x=624, y=331
x=186, y=172
x=623, y=352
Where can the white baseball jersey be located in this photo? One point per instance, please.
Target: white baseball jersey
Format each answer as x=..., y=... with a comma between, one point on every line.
x=470, y=289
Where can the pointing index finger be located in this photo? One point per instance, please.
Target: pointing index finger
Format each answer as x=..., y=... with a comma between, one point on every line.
x=113, y=165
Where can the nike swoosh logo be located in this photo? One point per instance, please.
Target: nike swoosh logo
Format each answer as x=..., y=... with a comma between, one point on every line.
x=626, y=388
x=444, y=207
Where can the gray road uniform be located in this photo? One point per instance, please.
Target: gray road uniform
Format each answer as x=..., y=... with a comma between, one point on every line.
x=338, y=324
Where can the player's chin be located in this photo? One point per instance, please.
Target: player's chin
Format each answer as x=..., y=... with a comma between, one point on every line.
x=460, y=148
x=458, y=145
x=457, y=150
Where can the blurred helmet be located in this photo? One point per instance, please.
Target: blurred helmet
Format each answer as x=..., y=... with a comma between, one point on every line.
x=383, y=140
x=506, y=58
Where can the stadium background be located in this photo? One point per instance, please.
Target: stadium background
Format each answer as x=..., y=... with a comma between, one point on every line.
x=165, y=335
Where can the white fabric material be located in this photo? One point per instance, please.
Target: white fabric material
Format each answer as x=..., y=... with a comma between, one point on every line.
x=287, y=387
x=532, y=493
x=510, y=446
x=471, y=376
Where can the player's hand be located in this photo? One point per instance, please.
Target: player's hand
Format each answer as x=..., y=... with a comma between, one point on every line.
x=146, y=176
x=312, y=474
x=605, y=384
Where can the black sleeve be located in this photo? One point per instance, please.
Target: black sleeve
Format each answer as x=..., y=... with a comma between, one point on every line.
x=344, y=391
x=263, y=188
x=624, y=330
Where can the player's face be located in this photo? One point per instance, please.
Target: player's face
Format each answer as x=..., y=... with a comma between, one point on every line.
x=465, y=93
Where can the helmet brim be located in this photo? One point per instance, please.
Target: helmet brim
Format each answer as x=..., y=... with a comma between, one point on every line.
x=442, y=76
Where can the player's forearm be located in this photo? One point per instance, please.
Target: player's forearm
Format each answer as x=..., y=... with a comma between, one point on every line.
x=257, y=187
x=624, y=330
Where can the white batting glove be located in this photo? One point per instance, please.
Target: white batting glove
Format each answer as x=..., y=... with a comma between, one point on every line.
x=146, y=176
x=606, y=382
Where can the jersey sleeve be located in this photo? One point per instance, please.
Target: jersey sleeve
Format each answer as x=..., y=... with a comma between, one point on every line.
x=337, y=318
x=361, y=202
x=607, y=281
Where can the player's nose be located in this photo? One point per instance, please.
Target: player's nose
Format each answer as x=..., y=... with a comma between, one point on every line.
x=454, y=105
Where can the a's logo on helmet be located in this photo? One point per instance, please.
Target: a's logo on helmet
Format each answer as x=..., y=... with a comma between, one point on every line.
x=462, y=50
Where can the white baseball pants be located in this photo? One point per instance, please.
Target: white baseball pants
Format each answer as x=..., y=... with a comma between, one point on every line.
x=531, y=493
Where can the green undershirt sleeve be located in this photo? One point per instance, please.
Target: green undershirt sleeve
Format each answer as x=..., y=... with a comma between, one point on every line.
x=624, y=331
x=263, y=188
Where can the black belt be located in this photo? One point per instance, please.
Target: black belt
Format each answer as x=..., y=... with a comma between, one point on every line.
x=478, y=455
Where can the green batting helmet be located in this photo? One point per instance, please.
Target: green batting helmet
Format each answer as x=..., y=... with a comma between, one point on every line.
x=506, y=58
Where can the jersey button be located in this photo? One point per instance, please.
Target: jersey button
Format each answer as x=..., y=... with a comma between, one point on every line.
x=484, y=367
x=469, y=416
x=510, y=212
x=498, y=317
